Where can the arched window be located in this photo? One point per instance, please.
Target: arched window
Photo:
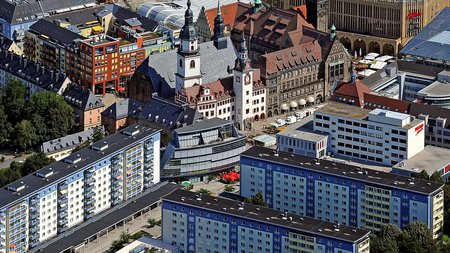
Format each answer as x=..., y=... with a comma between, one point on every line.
x=192, y=64
x=181, y=63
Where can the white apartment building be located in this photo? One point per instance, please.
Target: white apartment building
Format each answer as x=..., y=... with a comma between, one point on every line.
x=65, y=193
x=378, y=136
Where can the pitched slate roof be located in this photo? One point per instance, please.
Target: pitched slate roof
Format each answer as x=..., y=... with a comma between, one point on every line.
x=288, y=58
x=66, y=142
x=159, y=111
x=34, y=10
x=32, y=72
x=55, y=32
x=161, y=68
x=121, y=14
x=78, y=17
x=82, y=99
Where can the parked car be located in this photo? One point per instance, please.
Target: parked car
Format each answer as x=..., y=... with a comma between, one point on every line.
x=291, y=120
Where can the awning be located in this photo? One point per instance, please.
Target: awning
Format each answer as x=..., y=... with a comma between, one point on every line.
x=97, y=28
x=302, y=101
x=310, y=99
x=284, y=107
x=293, y=104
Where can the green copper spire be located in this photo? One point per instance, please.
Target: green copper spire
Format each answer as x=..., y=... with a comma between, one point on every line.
x=218, y=8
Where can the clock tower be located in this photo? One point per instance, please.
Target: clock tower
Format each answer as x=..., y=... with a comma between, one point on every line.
x=318, y=14
x=188, y=55
x=243, y=85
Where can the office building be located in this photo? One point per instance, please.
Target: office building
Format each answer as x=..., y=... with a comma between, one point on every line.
x=437, y=128
x=377, y=136
x=202, y=224
x=299, y=138
x=370, y=26
x=207, y=147
x=63, y=194
x=340, y=193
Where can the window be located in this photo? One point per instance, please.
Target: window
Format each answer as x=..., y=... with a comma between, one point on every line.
x=181, y=63
x=192, y=64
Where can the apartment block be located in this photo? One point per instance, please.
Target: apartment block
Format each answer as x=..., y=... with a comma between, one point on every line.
x=63, y=194
x=377, y=136
x=201, y=224
x=340, y=193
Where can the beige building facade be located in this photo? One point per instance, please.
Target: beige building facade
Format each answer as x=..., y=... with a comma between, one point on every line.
x=382, y=26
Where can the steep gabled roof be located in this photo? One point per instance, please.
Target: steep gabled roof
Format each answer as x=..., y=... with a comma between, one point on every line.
x=352, y=93
x=82, y=99
x=229, y=13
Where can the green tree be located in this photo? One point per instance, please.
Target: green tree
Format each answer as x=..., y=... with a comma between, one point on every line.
x=14, y=100
x=204, y=191
x=423, y=235
x=259, y=199
x=99, y=133
x=6, y=128
x=229, y=188
x=423, y=175
x=34, y=163
x=51, y=109
x=152, y=222
x=380, y=244
x=390, y=231
x=25, y=135
x=436, y=177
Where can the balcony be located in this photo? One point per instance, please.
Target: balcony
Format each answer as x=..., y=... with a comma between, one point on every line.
x=63, y=187
x=90, y=208
x=89, y=194
x=32, y=201
x=62, y=221
x=90, y=181
x=88, y=216
x=34, y=223
x=63, y=214
x=34, y=216
x=90, y=188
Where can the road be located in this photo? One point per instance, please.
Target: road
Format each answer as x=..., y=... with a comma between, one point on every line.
x=10, y=159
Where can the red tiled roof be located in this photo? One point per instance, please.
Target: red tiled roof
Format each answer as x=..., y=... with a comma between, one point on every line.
x=287, y=58
x=302, y=10
x=229, y=13
x=364, y=98
x=352, y=91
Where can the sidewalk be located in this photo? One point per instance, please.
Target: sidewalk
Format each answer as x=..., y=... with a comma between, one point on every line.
x=134, y=226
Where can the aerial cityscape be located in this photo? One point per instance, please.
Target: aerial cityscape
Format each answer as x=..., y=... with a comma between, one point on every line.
x=216, y=126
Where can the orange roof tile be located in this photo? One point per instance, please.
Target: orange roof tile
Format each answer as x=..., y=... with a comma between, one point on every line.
x=302, y=10
x=229, y=13
x=352, y=93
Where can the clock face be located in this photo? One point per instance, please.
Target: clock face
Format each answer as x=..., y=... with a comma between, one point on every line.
x=247, y=79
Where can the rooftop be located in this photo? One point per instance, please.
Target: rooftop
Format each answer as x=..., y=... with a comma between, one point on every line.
x=83, y=99
x=267, y=216
x=433, y=42
x=54, y=32
x=81, y=18
x=343, y=110
x=431, y=159
x=303, y=129
x=61, y=169
x=344, y=170
x=66, y=142
x=436, y=89
x=161, y=67
x=203, y=125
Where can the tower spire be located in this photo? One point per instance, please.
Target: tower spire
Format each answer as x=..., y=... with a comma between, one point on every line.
x=219, y=39
x=242, y=62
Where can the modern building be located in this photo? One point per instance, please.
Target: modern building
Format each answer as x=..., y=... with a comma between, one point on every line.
x=340, y=193
x=86, y=105
x=436, y=94
x=432, y=159
x=145, y=244
x=18, y=15
x=61, y=148
x=437, y=128
x=35, y=77
x=207, y=147
x=430, y=46
x=201, y=224
x=376, y=136
x=63, y=194
x=300, y=138
x=368, y=26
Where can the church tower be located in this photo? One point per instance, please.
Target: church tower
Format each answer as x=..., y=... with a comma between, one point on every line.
x=188, y=56
x=243, y=85
x=218, y=38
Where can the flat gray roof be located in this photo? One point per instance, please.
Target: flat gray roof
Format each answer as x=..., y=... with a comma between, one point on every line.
x=61, y=169
x=436, y=89
x=303, y=130
x=267, y=216
x=343, y=110
x=203, y=125
x=430, y=159
x=344, y=170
